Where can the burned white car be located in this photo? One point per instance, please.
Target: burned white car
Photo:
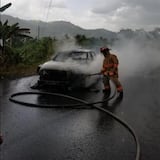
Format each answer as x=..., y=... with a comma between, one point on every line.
x=70, y=69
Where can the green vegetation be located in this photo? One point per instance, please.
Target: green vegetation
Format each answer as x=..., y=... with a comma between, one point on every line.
x=35, y=51
x=20, y=54
x=19, y=51
x=26, y=57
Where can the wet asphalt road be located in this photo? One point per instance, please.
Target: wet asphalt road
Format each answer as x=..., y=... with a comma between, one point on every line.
x=81, y=134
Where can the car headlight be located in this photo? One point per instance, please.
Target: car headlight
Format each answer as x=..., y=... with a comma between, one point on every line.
x=43, y=73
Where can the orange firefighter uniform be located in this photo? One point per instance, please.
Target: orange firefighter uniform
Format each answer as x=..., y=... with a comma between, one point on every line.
x=110, y=70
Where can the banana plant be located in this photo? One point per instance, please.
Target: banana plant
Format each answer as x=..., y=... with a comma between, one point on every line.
x=9, y=32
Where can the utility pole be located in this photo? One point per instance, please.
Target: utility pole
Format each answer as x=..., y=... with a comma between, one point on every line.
x=38, y=34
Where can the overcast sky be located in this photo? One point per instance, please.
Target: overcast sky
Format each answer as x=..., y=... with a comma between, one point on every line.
x=90, y=14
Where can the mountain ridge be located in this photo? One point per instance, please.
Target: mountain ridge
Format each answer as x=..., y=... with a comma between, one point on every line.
x=57, y=29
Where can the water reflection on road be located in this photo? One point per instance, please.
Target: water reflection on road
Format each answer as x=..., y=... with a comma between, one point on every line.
x=69, y=133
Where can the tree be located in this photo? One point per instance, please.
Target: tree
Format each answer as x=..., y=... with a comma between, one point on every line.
x=9, y=33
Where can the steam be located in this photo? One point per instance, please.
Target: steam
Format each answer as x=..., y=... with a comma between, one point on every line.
x=75, y=66
x=137, y=57
x=67, y=44
x=91, y=68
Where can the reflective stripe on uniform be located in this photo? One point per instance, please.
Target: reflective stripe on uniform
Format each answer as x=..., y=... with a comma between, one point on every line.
x=115, y=65
x=119, y=88
x=108, y=65
x=111, y=73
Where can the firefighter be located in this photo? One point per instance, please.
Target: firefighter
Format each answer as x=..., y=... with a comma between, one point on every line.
x=110, y=71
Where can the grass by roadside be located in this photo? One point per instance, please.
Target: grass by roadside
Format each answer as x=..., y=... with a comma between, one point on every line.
x=15, y=71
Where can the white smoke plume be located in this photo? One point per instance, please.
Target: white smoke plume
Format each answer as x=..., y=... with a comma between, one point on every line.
x=91, y=68
x=137, y=57
x=67, y=44
x=76, y=67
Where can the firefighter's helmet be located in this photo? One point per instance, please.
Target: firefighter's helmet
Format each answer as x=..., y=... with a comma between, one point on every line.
x=104, y=49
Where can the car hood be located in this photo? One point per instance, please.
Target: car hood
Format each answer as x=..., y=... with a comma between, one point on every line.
x=67, y=66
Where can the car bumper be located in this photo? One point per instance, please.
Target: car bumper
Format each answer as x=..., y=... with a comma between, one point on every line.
x=55, y=83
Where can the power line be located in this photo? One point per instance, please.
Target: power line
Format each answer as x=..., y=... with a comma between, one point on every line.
x=49, y=7
x=39, y=29
x=45, y=20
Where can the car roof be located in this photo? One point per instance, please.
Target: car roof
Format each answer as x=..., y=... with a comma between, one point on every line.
x=70, y=53
x=78, y=50
x=82, y=50
x=74, y=51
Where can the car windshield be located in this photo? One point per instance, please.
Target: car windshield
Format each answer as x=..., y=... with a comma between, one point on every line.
x=75, y=55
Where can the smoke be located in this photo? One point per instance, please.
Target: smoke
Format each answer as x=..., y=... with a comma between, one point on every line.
x=67, y=44
x=137, y=57
x=69, y=64
x=74, y=66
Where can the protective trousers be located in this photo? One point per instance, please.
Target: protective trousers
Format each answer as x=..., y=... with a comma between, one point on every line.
x=114, y=80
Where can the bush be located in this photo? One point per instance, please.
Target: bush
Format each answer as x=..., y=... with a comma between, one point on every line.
x=36, y=51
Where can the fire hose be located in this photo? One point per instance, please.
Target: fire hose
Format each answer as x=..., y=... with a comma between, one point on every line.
x=94, y=74
x=82, y=102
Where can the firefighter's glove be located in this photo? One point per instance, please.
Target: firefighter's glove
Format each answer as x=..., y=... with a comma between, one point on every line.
x=110, y=73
